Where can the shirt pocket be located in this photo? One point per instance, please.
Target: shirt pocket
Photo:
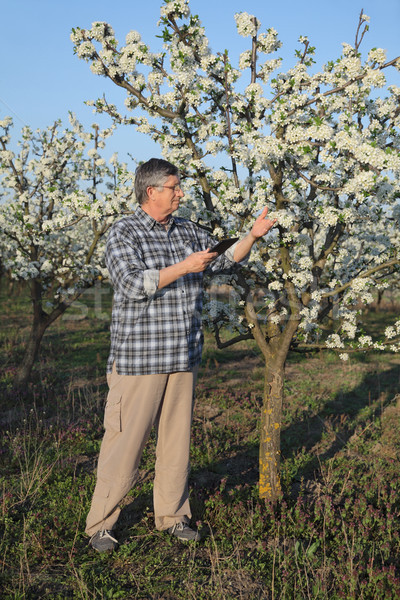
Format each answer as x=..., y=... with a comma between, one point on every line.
x=113, y=412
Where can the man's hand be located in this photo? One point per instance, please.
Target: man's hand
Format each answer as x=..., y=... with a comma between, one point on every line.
x=262, y=225
x=199, y=261
x=260, y=228
x=194, y=263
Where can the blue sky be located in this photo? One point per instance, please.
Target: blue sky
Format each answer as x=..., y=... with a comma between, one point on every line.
x=41, y=79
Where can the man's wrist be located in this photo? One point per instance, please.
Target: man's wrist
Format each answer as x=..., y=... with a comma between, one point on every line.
x=183, y=268
x=252, y=237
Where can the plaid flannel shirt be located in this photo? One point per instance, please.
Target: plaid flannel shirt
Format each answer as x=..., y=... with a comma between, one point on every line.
x=156, y=331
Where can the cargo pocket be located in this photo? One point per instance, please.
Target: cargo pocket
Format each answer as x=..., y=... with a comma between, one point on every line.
x=112, y=413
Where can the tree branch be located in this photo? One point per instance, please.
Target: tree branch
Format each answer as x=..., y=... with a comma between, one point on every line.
x=339, y=88
x=239, y=338
x=338, y=290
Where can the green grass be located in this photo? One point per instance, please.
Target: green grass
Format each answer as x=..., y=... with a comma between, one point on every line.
x=335, y=534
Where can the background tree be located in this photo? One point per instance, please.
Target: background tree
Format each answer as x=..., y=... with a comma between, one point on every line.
x=59, y=197
x=319, y=147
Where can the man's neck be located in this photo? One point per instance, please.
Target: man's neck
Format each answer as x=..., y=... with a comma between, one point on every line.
x=162, y=219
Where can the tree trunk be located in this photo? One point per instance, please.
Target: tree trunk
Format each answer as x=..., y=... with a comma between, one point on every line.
x=271, y=419
x=379, y=299
x=41, y=321
x=38, y=328
x=275, y=353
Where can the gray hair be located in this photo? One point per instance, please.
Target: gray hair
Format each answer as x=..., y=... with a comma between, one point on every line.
x=154, y=172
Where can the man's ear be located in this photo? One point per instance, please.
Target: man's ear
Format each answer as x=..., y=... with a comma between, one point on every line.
x=149, y=193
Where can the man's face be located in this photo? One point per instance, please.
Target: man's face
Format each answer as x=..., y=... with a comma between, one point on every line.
x=166, y=199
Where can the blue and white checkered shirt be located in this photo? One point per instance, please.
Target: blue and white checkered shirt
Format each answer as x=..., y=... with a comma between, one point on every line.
x=155, y=331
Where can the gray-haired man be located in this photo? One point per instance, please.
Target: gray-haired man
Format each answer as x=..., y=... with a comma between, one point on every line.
x=156, y=264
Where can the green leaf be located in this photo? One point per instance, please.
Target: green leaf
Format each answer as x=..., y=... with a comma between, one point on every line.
x=312, y=549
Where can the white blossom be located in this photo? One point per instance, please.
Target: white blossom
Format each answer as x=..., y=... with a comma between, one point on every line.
x=247, y=25
x=334, y=341
x=390, y=332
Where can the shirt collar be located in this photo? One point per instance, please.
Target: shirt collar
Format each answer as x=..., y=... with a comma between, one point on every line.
x=149, y=222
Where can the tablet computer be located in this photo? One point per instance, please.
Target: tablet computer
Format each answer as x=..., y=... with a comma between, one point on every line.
x=223, y=245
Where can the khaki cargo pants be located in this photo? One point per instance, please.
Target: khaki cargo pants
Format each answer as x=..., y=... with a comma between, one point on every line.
x=134, y=404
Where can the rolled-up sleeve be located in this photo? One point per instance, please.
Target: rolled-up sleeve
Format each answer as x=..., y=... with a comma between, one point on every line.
x=151, y=279
x=128, y=273
x=230, y=253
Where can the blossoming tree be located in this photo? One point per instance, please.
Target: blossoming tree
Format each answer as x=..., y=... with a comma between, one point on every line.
x=319, y=147
x=58, y=199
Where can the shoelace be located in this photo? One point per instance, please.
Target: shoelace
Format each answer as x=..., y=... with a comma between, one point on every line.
x=179, y=527
x=106, y=533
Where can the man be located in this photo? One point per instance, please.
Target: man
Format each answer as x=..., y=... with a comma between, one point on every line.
x=156, y=264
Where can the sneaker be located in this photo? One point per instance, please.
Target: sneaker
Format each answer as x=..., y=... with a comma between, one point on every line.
x=103, y=541
x=183, y=532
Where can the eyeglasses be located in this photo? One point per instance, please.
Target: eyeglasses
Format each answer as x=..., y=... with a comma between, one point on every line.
x=175, y=188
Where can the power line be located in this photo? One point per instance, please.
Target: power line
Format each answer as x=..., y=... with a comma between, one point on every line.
x=13, y=111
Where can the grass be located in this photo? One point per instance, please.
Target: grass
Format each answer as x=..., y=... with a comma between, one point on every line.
x=335, y=534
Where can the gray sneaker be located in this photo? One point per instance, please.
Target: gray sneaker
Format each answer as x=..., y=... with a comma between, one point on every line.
x=183, y=532
x=103, y=541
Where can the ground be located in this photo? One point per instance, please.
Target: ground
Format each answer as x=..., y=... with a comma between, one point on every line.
x=334, y=534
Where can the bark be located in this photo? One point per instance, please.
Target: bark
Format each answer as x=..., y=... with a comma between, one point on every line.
x=379, y=299
x=40, y=322
x=271, y=420
x=274, y=347
x=38, y=328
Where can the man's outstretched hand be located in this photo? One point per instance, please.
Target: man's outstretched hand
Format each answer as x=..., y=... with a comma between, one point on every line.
x=260, y=228
x=262, y=225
